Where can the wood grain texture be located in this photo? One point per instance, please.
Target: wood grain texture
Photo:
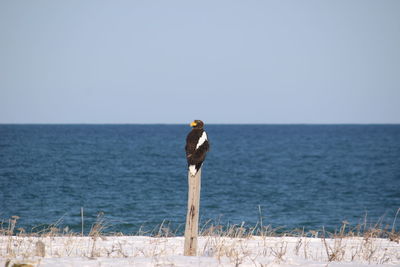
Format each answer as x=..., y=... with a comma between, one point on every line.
x=192, y=217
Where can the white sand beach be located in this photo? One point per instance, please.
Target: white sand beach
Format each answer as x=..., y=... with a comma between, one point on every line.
x=212, y=251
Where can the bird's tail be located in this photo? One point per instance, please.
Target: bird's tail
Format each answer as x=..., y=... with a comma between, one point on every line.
x=192, y=170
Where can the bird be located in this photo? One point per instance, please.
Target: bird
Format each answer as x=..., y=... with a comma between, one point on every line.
x=197, y=146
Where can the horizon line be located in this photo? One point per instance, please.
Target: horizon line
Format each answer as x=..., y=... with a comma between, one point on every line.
x=212, y=123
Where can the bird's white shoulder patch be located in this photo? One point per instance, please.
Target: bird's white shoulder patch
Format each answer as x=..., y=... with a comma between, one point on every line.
x=202, y=139
x=192, y=170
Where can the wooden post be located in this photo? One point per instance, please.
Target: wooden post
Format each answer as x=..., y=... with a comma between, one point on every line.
x=82, y=219
x=192, y=217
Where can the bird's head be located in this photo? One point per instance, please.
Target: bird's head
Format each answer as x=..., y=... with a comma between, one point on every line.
x=198, y=124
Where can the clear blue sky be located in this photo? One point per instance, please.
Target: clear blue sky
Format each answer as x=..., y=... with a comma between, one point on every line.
x=220, y=61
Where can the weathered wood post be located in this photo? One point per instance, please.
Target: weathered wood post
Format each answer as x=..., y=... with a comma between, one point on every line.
x=192, y=217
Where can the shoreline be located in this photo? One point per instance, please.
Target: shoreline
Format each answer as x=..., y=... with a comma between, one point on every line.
x=212, y=251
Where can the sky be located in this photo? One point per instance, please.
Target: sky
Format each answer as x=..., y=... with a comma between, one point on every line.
x=144, y=61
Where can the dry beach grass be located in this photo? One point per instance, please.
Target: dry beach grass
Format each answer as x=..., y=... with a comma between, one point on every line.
x=236, y=245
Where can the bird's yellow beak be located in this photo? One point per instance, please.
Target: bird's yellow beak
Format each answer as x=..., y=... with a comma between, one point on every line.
x=193, y=124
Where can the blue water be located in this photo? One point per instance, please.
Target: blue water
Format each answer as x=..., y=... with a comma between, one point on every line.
x=297, y=175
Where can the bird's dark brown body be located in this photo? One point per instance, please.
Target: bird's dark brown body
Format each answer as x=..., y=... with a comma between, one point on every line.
x=197, y=146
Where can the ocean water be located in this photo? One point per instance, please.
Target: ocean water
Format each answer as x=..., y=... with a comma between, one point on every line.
x=310, y=176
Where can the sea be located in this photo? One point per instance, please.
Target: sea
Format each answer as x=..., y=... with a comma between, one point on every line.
x=133, y=178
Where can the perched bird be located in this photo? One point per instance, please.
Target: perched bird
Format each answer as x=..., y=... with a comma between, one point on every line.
x=196, y=146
